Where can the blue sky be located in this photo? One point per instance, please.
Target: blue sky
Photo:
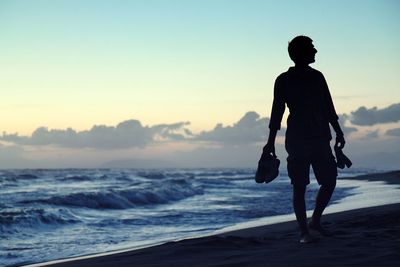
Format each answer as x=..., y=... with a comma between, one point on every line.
x=83, y=63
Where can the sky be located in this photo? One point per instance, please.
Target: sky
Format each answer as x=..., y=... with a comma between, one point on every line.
x=186, y=83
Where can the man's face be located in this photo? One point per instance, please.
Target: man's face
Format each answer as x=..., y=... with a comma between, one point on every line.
x=309, y=53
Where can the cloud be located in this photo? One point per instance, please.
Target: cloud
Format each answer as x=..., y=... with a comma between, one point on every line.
x=169, y=131
x=343, y=118
x=372, y=134
x=130, y=133
x=250, y=128
x=393, y=132
x=363, y=116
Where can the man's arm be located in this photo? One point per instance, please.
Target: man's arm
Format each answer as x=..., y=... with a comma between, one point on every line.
x=333, y=117
x=339, y=142
x=278, y=108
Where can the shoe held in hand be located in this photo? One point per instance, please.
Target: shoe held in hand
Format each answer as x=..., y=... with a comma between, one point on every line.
x=341, y=159
x=268, y=168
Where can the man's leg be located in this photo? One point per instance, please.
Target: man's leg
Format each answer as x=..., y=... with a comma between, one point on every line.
x=298, y=166
x=324, y=195
x=299, y=206
x=324, y=165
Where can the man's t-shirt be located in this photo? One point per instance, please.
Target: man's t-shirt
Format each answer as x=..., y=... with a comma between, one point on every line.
x=306, y=94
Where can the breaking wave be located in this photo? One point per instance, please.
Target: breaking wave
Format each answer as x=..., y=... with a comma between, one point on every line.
x=159, y=193
x=15, y=219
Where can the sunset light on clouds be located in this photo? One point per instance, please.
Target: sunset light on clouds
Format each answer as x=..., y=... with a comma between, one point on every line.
x=185, y=83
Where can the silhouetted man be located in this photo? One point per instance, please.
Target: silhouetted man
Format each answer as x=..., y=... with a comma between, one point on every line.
x=306, y=94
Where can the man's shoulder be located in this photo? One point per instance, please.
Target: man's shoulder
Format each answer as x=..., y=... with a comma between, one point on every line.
x=316, y=72
x=291, y=71
x=280, y=81
x=282, y=76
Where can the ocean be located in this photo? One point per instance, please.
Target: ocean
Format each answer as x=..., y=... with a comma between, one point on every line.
x=59, y=213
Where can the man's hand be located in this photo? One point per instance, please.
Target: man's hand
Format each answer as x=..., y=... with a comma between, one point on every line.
x=340, y=141
x=269, y=148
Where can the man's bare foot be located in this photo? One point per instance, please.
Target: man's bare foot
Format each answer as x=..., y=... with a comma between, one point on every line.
x=318, y=227
x=306, y=238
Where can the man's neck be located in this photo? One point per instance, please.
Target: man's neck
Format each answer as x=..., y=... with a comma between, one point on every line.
x=301, y=65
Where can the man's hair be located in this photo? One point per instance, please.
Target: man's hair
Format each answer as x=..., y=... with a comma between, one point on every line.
x=297, y=46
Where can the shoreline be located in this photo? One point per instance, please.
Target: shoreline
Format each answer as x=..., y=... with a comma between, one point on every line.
x=390, y=177
x=357, y=231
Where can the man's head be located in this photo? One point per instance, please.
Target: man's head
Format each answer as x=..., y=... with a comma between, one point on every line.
x=301, y=50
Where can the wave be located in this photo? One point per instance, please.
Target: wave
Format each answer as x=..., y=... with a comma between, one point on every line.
x=226, y=174
x=76, y=178
x=27, y=176
x=32, y=218
x=159, y=193
x=152, y=175
x=12, y=177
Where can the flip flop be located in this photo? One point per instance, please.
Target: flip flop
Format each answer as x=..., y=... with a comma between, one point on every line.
x=341, y=159
x=268, y=168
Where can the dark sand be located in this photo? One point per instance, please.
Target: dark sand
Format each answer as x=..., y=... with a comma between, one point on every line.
x=362, y=237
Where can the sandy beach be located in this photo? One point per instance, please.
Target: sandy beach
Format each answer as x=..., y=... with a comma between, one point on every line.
x=362, y=237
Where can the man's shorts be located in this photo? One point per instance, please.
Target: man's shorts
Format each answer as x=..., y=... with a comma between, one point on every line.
x=316, y=153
